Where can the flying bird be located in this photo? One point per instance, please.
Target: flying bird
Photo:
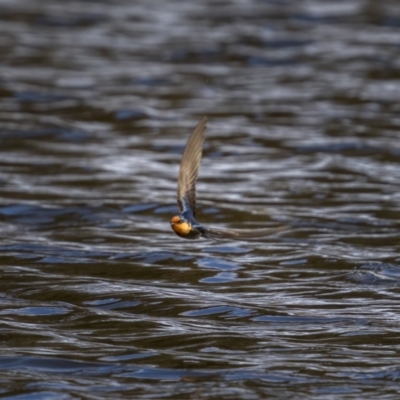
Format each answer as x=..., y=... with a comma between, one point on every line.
x=185, y=224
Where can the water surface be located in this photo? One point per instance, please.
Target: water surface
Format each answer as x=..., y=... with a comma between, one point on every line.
x=99, y=298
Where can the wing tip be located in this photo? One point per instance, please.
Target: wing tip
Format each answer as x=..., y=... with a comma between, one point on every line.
x=203, y=122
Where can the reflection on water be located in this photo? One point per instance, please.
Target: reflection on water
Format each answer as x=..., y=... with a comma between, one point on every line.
x=100, y=299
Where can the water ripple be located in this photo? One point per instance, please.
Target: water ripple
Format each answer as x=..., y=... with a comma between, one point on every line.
x=99, y=298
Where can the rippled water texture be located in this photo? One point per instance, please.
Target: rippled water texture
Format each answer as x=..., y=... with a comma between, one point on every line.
x=100, y=299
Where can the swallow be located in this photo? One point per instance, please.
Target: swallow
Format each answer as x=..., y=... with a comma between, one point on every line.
x=185, y=224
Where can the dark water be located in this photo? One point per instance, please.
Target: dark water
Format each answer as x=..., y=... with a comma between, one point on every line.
x=99, y=299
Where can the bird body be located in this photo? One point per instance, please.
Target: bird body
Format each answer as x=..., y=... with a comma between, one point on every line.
x=185, y=224
x=185, y=228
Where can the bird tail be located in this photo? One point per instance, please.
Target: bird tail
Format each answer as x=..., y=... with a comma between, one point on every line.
x=241, y=234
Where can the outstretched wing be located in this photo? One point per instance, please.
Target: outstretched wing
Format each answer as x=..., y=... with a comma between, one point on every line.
x=241, y=234
x=189, y=168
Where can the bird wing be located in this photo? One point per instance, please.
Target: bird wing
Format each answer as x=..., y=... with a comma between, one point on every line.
x=211, y=233
x=189, y=168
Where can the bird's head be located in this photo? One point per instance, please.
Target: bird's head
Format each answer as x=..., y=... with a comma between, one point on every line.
x=180, y=226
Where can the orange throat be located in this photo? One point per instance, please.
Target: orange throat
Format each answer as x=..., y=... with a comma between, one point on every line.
x=180, y=227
